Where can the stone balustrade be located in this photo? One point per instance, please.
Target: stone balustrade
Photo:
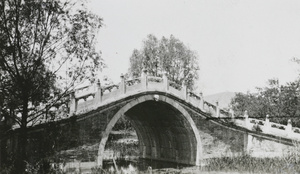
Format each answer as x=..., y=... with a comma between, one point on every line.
x=88, y=98
x=91, y=97
x=267, y=127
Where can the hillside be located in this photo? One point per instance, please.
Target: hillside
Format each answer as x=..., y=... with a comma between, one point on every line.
x=223, y=98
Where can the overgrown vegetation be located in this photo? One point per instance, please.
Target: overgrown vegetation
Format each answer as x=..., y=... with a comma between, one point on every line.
x=123, y=124
x=289, y=163
x=253, y=165
x=124, y=149
x=46, y=47
x=280, y=102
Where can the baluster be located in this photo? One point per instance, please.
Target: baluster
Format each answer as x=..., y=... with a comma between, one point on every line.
x=165, y=81
x=122, y=84
x=98, y=95
x=201, y=103
x=231, y=114
x=247, y=121
x=267, y=125
x=73, y=103
x=288, y=128
x=95, y=88
x=217, y=109
x=85, y=106
x=144, y=79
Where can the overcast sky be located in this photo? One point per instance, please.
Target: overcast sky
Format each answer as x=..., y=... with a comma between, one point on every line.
x=240, y=44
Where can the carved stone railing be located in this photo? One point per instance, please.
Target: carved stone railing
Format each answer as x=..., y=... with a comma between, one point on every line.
x=267, y=127
x=91, y=97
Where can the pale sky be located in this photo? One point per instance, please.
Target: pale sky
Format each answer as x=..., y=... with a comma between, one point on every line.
x=240, y=43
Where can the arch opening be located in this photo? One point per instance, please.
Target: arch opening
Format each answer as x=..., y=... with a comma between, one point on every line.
x=165, y=130
x=122, y=141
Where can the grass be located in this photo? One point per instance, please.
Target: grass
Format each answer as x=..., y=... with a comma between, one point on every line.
x=289, y=163
x=242, y=164
x=253, y=165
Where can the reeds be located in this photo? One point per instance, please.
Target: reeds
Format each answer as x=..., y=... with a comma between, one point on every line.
x=289, y=163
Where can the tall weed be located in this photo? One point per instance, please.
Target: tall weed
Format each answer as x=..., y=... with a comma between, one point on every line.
x=289, y=163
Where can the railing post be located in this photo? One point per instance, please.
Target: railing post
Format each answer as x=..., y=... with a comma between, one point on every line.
x=144, y=79
x=98, y=97
x=122, y=85
x=231, y=112
x=247, y=143
x=184, y=92
x=73, y=103
x=165, y=81
x=217, y=109
x=94, y=87
x=288, y=128
x=85, y=104
x=267, y=125
x=201, y=103
x=247, y=121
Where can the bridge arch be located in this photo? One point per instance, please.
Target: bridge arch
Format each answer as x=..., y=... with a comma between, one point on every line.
x=171, y=135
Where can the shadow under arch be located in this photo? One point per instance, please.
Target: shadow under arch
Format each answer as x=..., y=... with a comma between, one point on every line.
x=165, y=130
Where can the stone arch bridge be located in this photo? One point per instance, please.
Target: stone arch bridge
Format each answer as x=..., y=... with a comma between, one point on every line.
x=172, y=123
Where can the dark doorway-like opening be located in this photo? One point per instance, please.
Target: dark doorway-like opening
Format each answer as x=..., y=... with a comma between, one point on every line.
x=166, y=132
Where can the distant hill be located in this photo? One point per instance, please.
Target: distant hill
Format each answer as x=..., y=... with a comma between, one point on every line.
x=223, y=98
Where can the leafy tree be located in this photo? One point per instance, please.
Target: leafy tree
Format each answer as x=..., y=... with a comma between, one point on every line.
x=280, y=102
x=168, y=55
x=46, y=46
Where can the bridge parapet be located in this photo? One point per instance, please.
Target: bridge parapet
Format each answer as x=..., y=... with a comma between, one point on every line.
x=85, y=91
x=91, y=97
x=267, y=127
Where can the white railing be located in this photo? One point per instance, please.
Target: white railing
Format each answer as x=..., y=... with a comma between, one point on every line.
x=267, y=127
x=91, y=97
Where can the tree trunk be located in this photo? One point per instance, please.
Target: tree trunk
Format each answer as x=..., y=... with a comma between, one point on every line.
x=22, y=143
x=2, y=146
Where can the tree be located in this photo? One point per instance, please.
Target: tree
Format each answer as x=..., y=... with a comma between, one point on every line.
x=280, y=102
x=46, y=46
x=168, y=55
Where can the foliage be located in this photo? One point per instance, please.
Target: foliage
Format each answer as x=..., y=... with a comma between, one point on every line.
x=98, y=170
x=123, y=124
x=280, y=102
x=46, y=48
x=252, y=165
x=124, y=149
x=168, y=55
